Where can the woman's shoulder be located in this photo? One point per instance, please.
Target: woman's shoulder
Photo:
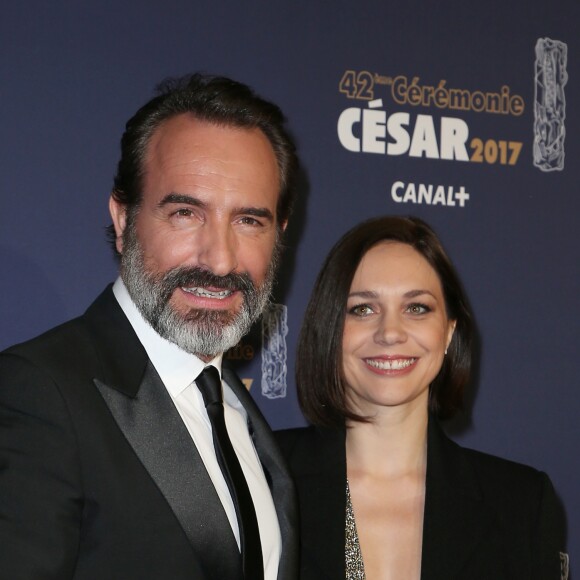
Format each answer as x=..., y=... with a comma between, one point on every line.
x=292, y=433
x=518, y=501
x=308, y=436
x=500, y=472
x=311, y=447
x=515, y=488
x=501, y=482
x=291, y=437
x=490, y=470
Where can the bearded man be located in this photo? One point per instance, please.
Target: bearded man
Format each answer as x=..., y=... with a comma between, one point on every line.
x=112, y=458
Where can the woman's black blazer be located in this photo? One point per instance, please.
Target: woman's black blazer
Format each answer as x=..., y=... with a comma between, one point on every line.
x=486, y=518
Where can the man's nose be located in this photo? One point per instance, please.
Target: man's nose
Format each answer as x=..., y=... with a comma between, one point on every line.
x=217, y=251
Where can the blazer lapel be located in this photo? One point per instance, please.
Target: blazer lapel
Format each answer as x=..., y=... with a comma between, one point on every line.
x=456, y=519
x=145, y=413
x=318, y=460
x=278, y=476
x=324, y=492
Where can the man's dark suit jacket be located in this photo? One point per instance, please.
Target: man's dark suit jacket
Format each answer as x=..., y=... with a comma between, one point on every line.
x=99, y=477
x=485, y=518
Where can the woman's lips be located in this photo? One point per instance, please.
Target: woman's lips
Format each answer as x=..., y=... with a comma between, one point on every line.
x=391, y=364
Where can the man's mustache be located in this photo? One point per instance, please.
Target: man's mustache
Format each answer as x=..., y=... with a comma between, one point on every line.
x=187, y=277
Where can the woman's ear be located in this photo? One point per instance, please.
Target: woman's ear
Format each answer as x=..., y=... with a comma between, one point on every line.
x=450, y=331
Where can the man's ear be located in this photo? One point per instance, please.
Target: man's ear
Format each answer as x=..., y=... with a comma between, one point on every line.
x=283, y=225
x=118, y=213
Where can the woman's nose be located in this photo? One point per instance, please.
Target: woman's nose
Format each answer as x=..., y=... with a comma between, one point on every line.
x=390, y=330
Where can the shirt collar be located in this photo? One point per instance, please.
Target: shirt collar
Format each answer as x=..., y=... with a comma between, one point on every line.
x=176, y=367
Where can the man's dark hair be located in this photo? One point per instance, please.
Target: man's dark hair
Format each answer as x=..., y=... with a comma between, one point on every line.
x=319, y=368
x=217, y=100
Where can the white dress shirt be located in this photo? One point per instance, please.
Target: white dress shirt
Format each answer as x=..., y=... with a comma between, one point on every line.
x=178, y=371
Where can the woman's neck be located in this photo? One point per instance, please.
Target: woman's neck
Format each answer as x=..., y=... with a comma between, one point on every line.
x=392, y=445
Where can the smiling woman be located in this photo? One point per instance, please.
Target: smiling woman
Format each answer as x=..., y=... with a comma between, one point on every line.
x=384, y=353
x=396, y=328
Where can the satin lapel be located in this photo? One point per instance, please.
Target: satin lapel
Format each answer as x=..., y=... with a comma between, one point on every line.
x=122, y=360
x=155, y=431
x=456, y=519
x=278, y=476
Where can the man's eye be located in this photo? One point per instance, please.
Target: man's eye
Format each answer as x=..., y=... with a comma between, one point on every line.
x=361, y=310
x=183, y=212
x=249, y=221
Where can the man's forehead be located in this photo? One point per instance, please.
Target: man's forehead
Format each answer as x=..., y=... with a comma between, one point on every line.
x=185, y=137
x=187, y=155
x=188, y=127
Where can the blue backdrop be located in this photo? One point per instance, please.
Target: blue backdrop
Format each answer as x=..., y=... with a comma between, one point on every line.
x=465, y=114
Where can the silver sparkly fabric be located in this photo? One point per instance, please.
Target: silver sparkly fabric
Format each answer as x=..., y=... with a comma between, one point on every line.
x=355, y=568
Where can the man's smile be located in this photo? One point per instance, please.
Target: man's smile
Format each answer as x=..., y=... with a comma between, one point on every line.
x=207, y=293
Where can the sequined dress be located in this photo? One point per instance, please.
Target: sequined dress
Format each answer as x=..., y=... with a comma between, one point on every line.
x=355, y=568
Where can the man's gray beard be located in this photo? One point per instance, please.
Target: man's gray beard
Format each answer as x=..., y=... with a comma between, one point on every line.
x=202, y=332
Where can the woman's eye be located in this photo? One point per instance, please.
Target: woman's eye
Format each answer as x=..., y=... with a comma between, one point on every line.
x=418, y=308
x=361, y=310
